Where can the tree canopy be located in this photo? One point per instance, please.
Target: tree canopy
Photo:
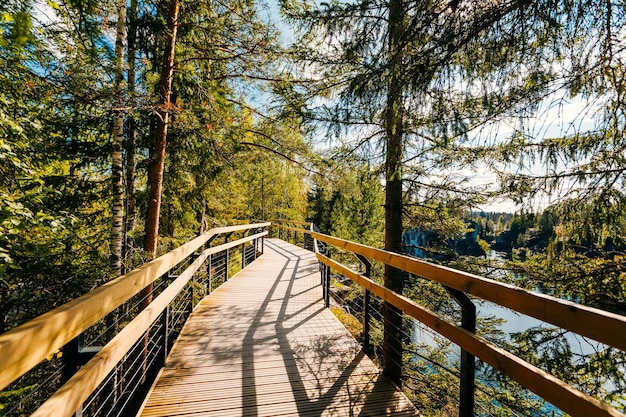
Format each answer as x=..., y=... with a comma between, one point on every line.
x=127, y=127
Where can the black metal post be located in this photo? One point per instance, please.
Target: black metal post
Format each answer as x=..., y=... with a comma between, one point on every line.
x=327, y=286
x=209, y=267
x=243, y=255
x=226, y=237
x=226, y=266
x=192, y=293
x=366, y=304
x=210, y=271
x=165, y=323
x=74, y=355
x=323, y=275
x=468, y=363
x=322, y=269
x=71, y=358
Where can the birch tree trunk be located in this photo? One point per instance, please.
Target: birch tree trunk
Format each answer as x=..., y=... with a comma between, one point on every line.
x=117, y=168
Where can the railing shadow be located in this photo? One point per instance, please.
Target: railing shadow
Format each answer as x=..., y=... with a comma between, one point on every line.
x=323, y=366
x=284, y=348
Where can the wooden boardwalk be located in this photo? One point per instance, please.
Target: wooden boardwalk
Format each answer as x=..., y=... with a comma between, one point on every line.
x=264, y=345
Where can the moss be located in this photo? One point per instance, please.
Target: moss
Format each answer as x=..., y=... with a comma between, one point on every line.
x=349, y=321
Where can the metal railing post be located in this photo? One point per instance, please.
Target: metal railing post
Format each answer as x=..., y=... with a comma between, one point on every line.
x=74, y=355
x=322, y=269
x=165, y=323
x=71, y=357
x=192, y=292
x=366, y=304
x=243, y=255
x=226, y=237
x=468, y=363
x=366, y=320
x=210, y=270
x=327, y=285
x=192, y=285
x=226, y=266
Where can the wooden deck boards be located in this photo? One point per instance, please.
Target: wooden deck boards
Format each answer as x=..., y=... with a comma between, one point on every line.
x=264, y=345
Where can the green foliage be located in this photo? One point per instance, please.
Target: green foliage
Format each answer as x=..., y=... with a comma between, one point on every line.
x=357, y=211
x=231, y=156
x=10, y=397
x=348, y=202
x=432, y=379
x=350, y=322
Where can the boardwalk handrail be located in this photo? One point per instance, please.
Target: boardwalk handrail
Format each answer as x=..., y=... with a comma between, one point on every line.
x=296, y=222
x=602, y=326
x=49, y=332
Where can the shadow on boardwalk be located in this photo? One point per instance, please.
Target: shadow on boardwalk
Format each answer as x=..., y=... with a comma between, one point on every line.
x=264, y=345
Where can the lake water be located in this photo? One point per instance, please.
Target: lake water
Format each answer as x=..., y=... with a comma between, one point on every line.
x=516, y=323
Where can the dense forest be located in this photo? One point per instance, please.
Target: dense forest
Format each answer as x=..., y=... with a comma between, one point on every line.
x=129, y=126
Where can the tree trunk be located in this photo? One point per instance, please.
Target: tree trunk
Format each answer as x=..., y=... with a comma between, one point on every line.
x=201, y=217
x=394, y=130
x=117, y=168
x=131, y=200
x=160, y=140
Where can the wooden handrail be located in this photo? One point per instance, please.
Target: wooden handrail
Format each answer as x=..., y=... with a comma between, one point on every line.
x=600, y=325
x=49, y=332
x=80, y=386
x=308, y=224
x=552, y=389
x=594, y=323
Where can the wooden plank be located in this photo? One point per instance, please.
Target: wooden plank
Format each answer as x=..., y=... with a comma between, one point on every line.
x=51, y=331
x=555, y=391
x=73, y=393
x=264, y=345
